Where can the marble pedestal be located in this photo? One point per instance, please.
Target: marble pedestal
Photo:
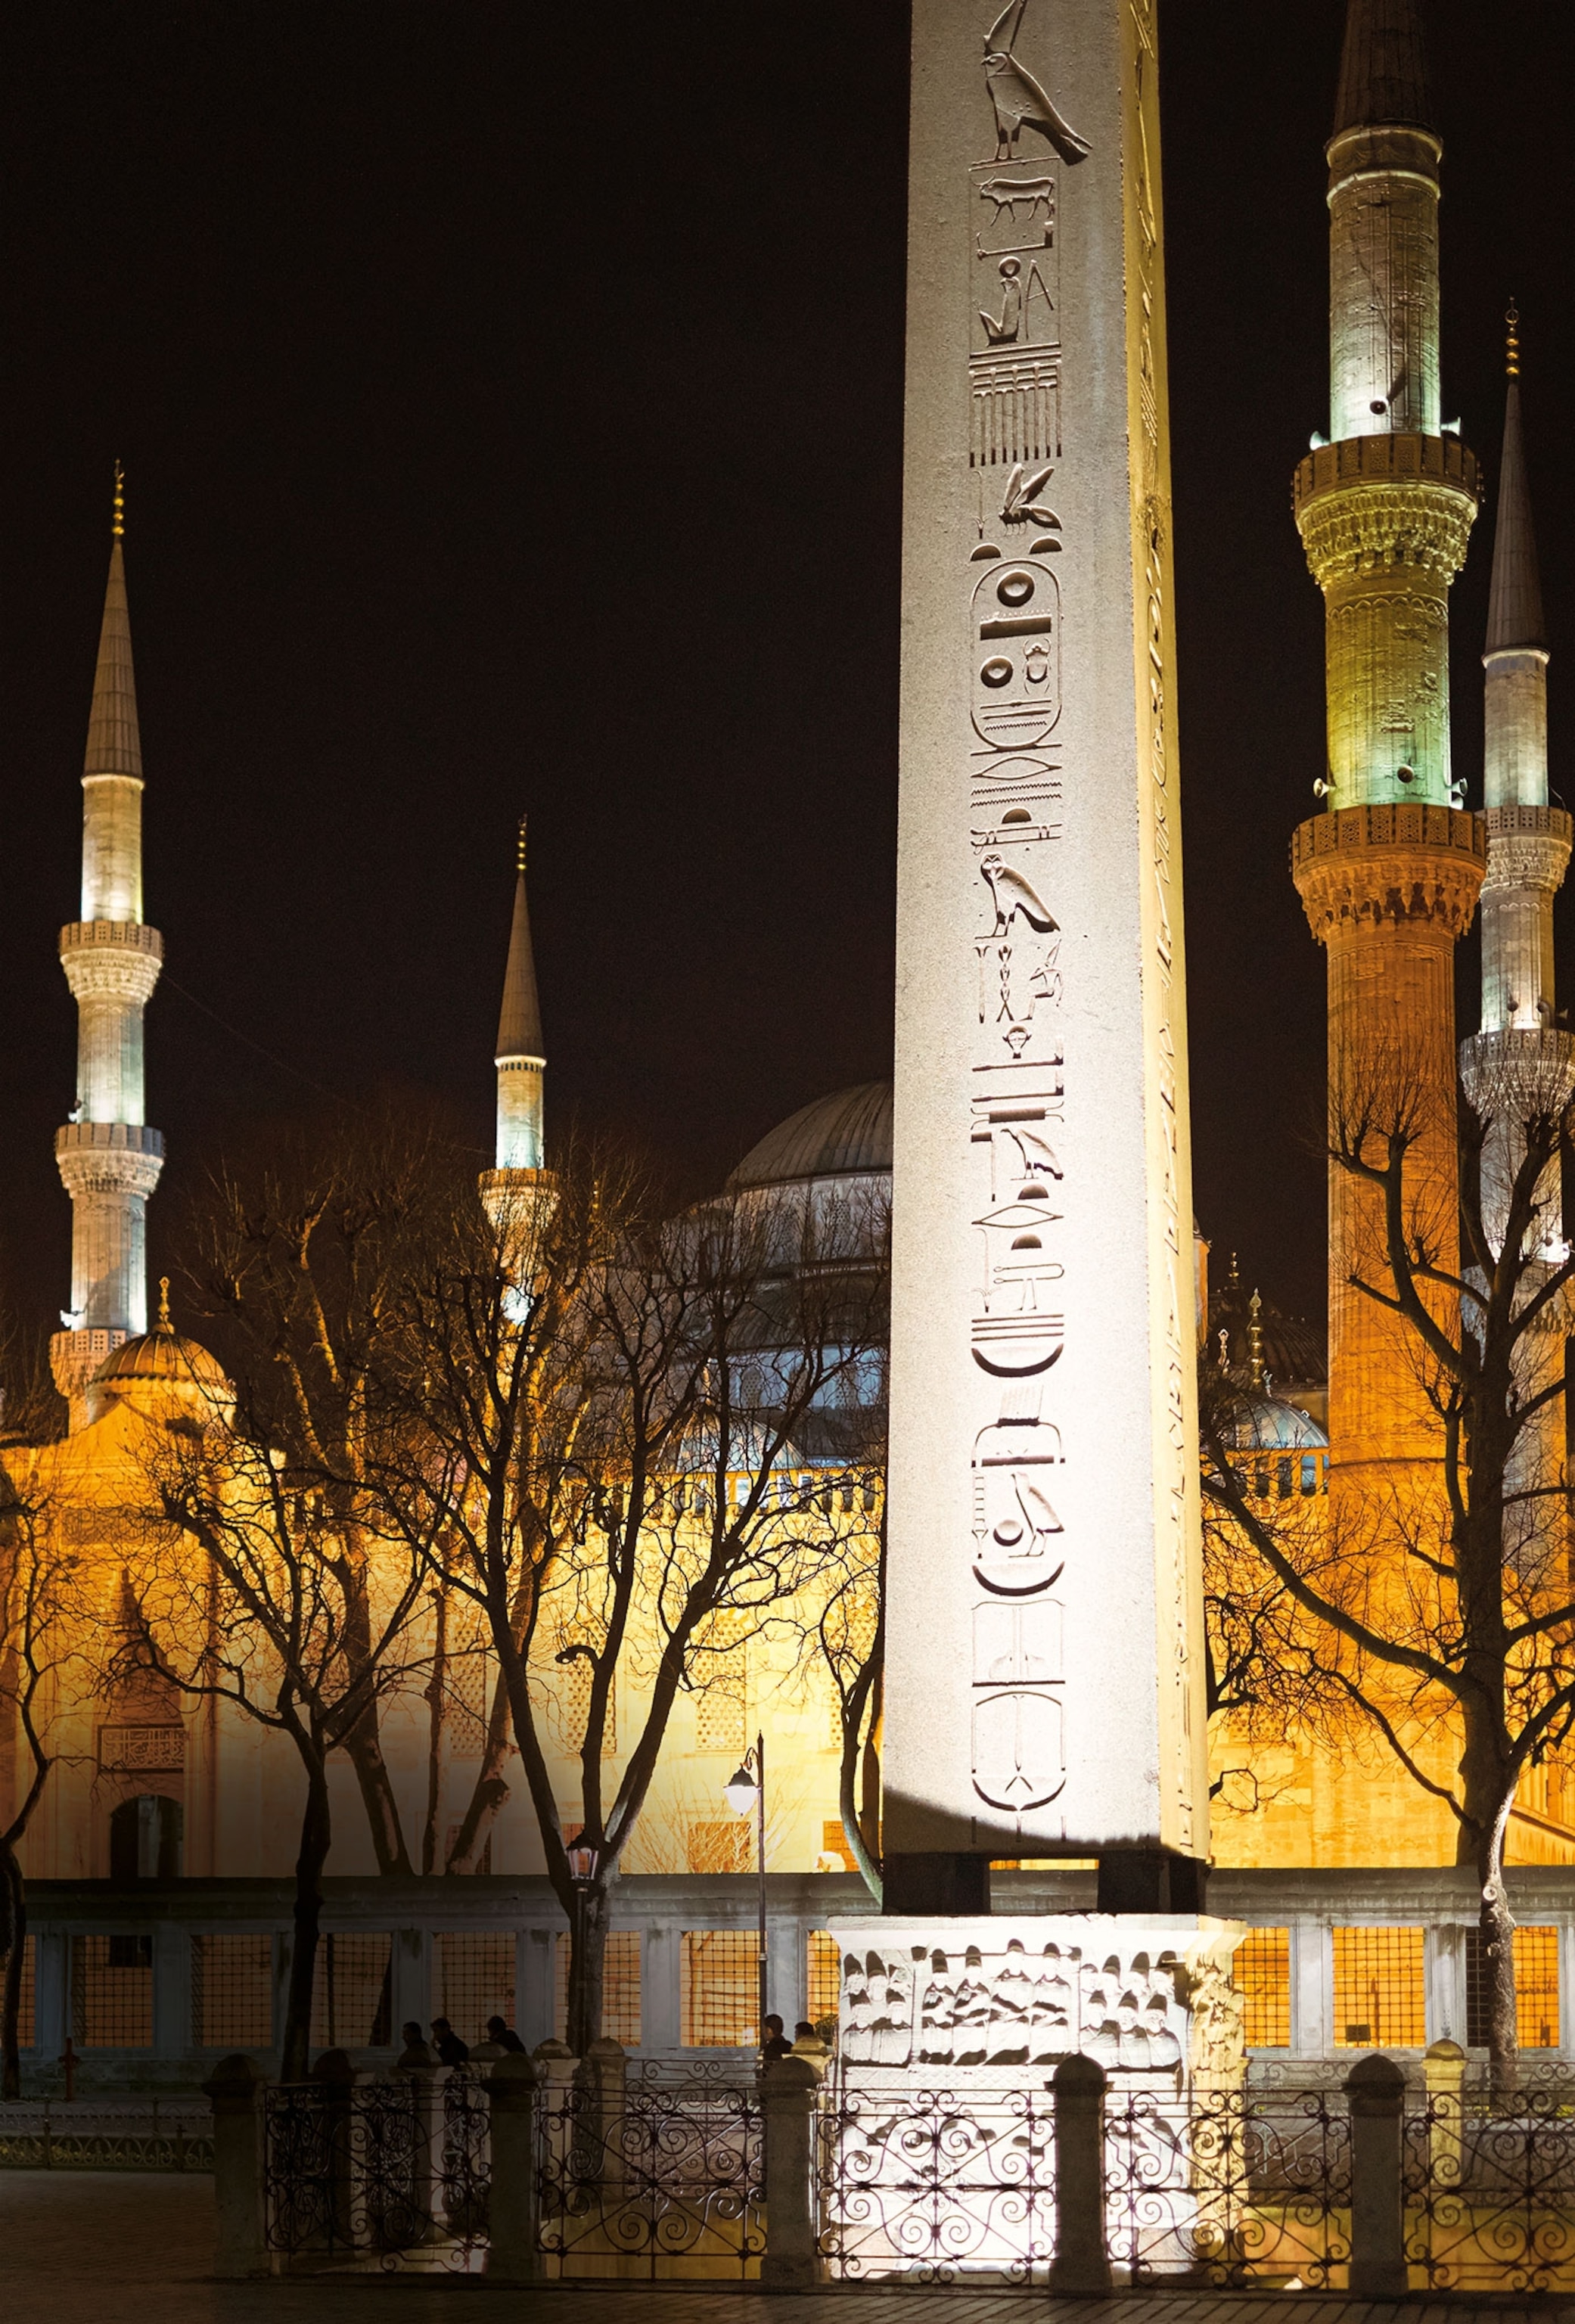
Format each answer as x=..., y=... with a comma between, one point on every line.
x=1006, y=1999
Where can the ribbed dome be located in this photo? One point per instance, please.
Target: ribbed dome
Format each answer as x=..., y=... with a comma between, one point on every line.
x=161, y=1356
x=1263, y=1423
x=845, y=1135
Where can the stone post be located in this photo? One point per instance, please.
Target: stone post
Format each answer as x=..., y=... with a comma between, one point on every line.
x=514, y=2204
x=235, y=2090
x=428, y=2084
x=1444, y=2068
x=604, y=2076
x=1377, y=2091
x=1081, y=2261
x=787, y=2088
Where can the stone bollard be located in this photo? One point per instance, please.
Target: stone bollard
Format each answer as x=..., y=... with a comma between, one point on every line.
x=425, y=2222
x=558, y=2067
x=1083, y=2261
x=514, y=2199
x=1377, y=2091
x=348, y=2218
x=787, y=2088
x=1444, y=2069
x=235, y=2089
x=604, y=2077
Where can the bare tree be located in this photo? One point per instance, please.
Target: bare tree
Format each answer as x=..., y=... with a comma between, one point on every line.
x=617, y=1415
x=1453, y=1602
x=38, y=1619
x=257, y=1589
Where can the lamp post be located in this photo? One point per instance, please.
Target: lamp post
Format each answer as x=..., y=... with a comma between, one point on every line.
x=582, y=1866
x=746, y=1789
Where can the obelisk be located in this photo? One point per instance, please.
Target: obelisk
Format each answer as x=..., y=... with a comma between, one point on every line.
x=1045, y=1663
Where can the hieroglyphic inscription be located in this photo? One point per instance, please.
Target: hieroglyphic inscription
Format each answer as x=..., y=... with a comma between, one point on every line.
x=1017, y=1105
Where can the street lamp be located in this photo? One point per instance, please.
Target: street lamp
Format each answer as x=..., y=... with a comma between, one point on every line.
x=582, y=1870
x=745, y=1789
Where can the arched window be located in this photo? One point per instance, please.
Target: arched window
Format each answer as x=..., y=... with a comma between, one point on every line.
x=144, y=1839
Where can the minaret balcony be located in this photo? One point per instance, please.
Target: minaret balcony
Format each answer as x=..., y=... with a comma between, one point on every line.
x=1372, y=868
x=109, y=1158
x=111, y=960
x=1373, y=503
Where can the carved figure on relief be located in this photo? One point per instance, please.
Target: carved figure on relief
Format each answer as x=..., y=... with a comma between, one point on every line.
x=1022, y=504
x=1037, y=196
x=1027, y=310
x=1016, y=98
x=1017, y=690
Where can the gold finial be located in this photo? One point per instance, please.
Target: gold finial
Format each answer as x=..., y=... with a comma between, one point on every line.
x=164, y=1323
x=1254, y=1342
x=520, y=848
x=1512, y=341
x=117, y=526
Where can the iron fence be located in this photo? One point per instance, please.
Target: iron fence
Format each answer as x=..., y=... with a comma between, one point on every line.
x=384, y=2172
x=931, y=2186
x=1489, y=2186
x=1228, y=2187
x=105, y=2135
x=658, y=2176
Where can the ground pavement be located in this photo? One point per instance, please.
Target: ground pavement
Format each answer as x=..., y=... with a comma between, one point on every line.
x=125, y=2247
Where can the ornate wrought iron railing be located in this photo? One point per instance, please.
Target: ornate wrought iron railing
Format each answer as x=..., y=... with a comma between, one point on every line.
x=661, y=2176
x=936, y=2186
x=1489, y=2186
x=1229, y=2187
x=383, y=2172
x=105, y=2135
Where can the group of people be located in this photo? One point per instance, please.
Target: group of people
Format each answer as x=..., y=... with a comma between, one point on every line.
x=807, y=2042
x=446, y=2049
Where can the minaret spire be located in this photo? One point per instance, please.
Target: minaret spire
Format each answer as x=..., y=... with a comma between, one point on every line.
x=1520, y=1058
x=1384, y=509
x=108, y=1159
x=520, y=1055
x=510, y=1191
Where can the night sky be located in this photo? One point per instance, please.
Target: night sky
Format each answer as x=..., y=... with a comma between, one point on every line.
x=511, y=403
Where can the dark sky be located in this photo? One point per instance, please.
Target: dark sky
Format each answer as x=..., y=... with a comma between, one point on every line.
x=510, y=401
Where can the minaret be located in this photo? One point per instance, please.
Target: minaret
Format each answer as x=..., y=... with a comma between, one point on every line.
x=108, y=1157
x=1389, y=872
x=1519, y=1050
x=521, y=1064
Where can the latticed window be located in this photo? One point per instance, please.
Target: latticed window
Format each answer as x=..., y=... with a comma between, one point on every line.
x=112, y=1992
x=1263, y=1979
x=719, y=1844
x=722, y=1710
x=575, y=1705
x=25, y=2033
x=466, y=1673
x=231, y=1992
x=719, y=1989
x=620, y=1987
x=475, y=1979
x=351, y=1996
x=823, y=1982
x=1536, y=1990
x=1379, y=1996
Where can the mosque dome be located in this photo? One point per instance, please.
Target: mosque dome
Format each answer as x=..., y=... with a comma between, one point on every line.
x=158, y=1368
x=846, y=1135
x=1266, y=1423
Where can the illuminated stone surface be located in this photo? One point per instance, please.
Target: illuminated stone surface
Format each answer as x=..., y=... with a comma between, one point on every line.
x=1044, y=1670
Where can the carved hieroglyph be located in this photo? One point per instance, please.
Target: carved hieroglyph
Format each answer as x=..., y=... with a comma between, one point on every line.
x=1142, y=1996
x=1045, y=1656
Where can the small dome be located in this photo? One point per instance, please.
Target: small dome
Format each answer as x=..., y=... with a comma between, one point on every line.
x=1263, y=1424
x=161, y=1355
x=845, y=1135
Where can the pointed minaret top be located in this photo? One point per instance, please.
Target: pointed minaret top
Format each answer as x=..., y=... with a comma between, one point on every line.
x=1514, y=604
x=1382, y=67
x=113, y=745
x=519, y=1022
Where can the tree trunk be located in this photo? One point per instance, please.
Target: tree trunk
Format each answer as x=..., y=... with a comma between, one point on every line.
x=15, y=1916
x=315, y=1834
x=848, y=1805
x=588, y=1962
x=366, y=1754
x=491, y=1790
x=1495, y=1925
